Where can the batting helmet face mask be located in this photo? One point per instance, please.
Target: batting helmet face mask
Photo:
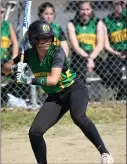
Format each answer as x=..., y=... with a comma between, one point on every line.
x=39, y=29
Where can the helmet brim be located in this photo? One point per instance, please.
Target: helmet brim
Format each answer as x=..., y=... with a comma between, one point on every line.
x=46, y=35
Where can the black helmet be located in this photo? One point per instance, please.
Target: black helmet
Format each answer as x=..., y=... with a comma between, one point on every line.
x=37, y=30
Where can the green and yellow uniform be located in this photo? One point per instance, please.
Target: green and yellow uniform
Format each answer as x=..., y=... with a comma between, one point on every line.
x=55, y=57
x=117, y=31
x=86, y=34
x=87, y=39
x=5, y=40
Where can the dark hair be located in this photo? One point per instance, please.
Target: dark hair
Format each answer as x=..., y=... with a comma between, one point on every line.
x=43, y=6
x=77, y=15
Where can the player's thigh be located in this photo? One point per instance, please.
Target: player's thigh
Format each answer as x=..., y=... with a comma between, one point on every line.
x=46, y=117
x=79, y=100
x=65, y=107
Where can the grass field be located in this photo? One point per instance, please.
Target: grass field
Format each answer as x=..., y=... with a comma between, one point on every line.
x=66, y=143
x=99, y=113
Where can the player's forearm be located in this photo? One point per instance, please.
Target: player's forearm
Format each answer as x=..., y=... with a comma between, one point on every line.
x=46, y=81
x=110, y=49
x=96, y=51
x=15, y=50
x=65, y=47
x=80, y=52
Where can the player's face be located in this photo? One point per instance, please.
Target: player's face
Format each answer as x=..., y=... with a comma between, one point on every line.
x=44, y=43
x=85, y=11
x=48, y=15
x=119, y=6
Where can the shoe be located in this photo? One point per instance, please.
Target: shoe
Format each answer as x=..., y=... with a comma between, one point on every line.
x=106, y=159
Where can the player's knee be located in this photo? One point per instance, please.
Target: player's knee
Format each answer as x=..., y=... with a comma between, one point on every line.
x=35, y=137
x=81, y=120
x=35, y=133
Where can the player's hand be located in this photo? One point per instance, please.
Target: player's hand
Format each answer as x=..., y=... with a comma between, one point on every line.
x=21, y=67
x=124, y=55
x=22, y=78
x=90, y=65
x=14, y=69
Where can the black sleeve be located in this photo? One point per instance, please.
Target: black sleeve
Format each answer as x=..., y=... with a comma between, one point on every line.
x=58, y=58
x=17, y=59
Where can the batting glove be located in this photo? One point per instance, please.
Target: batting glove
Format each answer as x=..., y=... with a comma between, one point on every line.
x=22, y=78
x=21, y=67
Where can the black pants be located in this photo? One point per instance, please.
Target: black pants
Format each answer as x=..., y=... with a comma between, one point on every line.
x=74, y=98
x=56, y=105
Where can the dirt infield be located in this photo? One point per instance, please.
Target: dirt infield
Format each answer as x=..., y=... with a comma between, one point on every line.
x=65, y=145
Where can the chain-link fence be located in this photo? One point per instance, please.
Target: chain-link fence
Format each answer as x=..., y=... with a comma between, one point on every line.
x=96, y=28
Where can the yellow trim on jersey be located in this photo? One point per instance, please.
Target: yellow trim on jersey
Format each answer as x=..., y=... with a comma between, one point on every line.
x=71, y=83
x=5, y=54
x=68, y=73
x=42, y=74
x=5, y=42
x=119, y=36
x=60, y=78
x=87, y=39
x=61, y=85
x=56, y=42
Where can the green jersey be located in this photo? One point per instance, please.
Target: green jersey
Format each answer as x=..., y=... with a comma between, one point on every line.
x=86, y=34
x=55, y=57
x=5, y=40
x=59, y=34
x=117, y=31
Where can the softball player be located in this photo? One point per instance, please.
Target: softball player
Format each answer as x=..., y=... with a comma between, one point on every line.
x=65, y=91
